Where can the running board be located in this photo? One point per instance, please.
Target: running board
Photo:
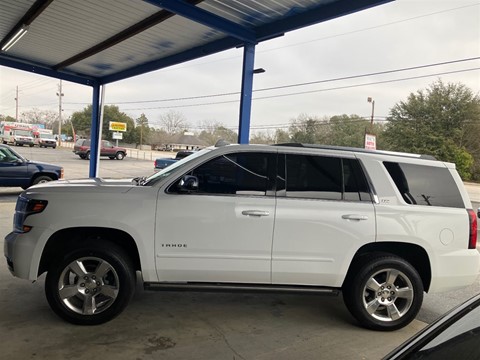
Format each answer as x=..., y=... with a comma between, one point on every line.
x=233, y=287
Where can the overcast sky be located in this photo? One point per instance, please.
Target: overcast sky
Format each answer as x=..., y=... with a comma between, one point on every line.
x=398, y=35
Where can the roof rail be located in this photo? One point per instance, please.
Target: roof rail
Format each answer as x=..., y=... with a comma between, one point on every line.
x=352, y=149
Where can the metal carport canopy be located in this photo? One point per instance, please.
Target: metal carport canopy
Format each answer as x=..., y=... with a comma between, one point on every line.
x=98, y=42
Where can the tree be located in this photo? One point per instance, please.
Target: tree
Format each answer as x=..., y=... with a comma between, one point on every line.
x=173, y=122
x=262, y=137
x=142, y=128
x=308, y=129
x=82, y=122
x=281, y=136
x=214, y=131
x=439, y=121
x=37, y=116
x=7, y=118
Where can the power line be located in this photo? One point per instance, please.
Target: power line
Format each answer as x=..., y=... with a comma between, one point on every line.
x=284, y=86
x=309, y=91
x=292, y=85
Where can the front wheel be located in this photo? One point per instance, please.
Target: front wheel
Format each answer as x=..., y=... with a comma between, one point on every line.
x=41, y=180
x=384, y=293
x=90, y=285
x=120, y=155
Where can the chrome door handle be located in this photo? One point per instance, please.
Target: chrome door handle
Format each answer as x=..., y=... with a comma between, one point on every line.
x=354, y=217
x=257, y=213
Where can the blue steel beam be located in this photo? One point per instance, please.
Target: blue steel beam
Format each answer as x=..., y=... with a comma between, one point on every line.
x=95, y=130
x=44, y=70
x=206, y=18
x=246, y=95
x=322, y=12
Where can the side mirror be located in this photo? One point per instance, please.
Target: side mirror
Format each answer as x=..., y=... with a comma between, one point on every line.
x=188, y=183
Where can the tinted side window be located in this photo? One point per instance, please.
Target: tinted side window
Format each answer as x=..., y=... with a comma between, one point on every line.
x=322, y=177
x=235, y=174
x=356, y=187
x=425, y=185
x=313, y=177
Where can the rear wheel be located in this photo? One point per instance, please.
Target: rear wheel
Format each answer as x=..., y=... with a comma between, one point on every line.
x=384, y=293
x=87, y=155
x=92, y=284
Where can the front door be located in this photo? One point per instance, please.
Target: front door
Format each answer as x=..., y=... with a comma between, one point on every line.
x=221, y=232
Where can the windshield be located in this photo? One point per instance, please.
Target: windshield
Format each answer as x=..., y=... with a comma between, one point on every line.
x=169, y=169
x=23, y=132
x=9, y=155
x=47, y=136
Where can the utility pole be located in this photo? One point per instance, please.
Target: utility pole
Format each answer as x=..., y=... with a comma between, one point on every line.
x=60, y=94
x=16, y=105
x=370, y=100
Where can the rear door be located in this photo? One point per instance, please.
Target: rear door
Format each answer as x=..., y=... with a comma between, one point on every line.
x=324, y=214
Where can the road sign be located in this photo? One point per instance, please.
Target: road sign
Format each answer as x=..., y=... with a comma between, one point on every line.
x=370, y=142
x=117, y=126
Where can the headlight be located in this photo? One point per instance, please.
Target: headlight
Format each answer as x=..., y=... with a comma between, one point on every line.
x=24, y=208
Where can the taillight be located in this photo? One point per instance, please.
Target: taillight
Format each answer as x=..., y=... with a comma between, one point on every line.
x=472, y=241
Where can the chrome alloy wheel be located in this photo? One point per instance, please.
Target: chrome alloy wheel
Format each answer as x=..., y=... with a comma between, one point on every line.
x=388, y=295
x=88, y=285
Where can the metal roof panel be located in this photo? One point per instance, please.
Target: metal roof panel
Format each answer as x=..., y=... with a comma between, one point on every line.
x=113, y=39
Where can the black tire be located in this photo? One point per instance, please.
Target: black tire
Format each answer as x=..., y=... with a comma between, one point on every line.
x=31, y=145
x=82, y=157
x=120, y=155
x=111, y=157
x=95, y=292
x=389, y=287
x=41, y=179
x=87, y=155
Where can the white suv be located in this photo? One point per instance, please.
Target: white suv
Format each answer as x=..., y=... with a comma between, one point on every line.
x=380, y=227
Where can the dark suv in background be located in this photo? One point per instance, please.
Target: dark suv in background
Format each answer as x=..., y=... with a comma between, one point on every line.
x=82, y=149
x=15, y=170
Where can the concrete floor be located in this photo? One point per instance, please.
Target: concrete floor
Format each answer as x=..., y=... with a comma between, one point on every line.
x=181, y=325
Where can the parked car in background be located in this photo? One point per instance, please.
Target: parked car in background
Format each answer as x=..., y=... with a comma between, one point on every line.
x=162, y=163
x=456, y=335
x=82, y=149
x=44, y=138
x=15, y=170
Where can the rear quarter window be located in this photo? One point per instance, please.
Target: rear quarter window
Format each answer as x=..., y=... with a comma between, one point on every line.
x=425, y=185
